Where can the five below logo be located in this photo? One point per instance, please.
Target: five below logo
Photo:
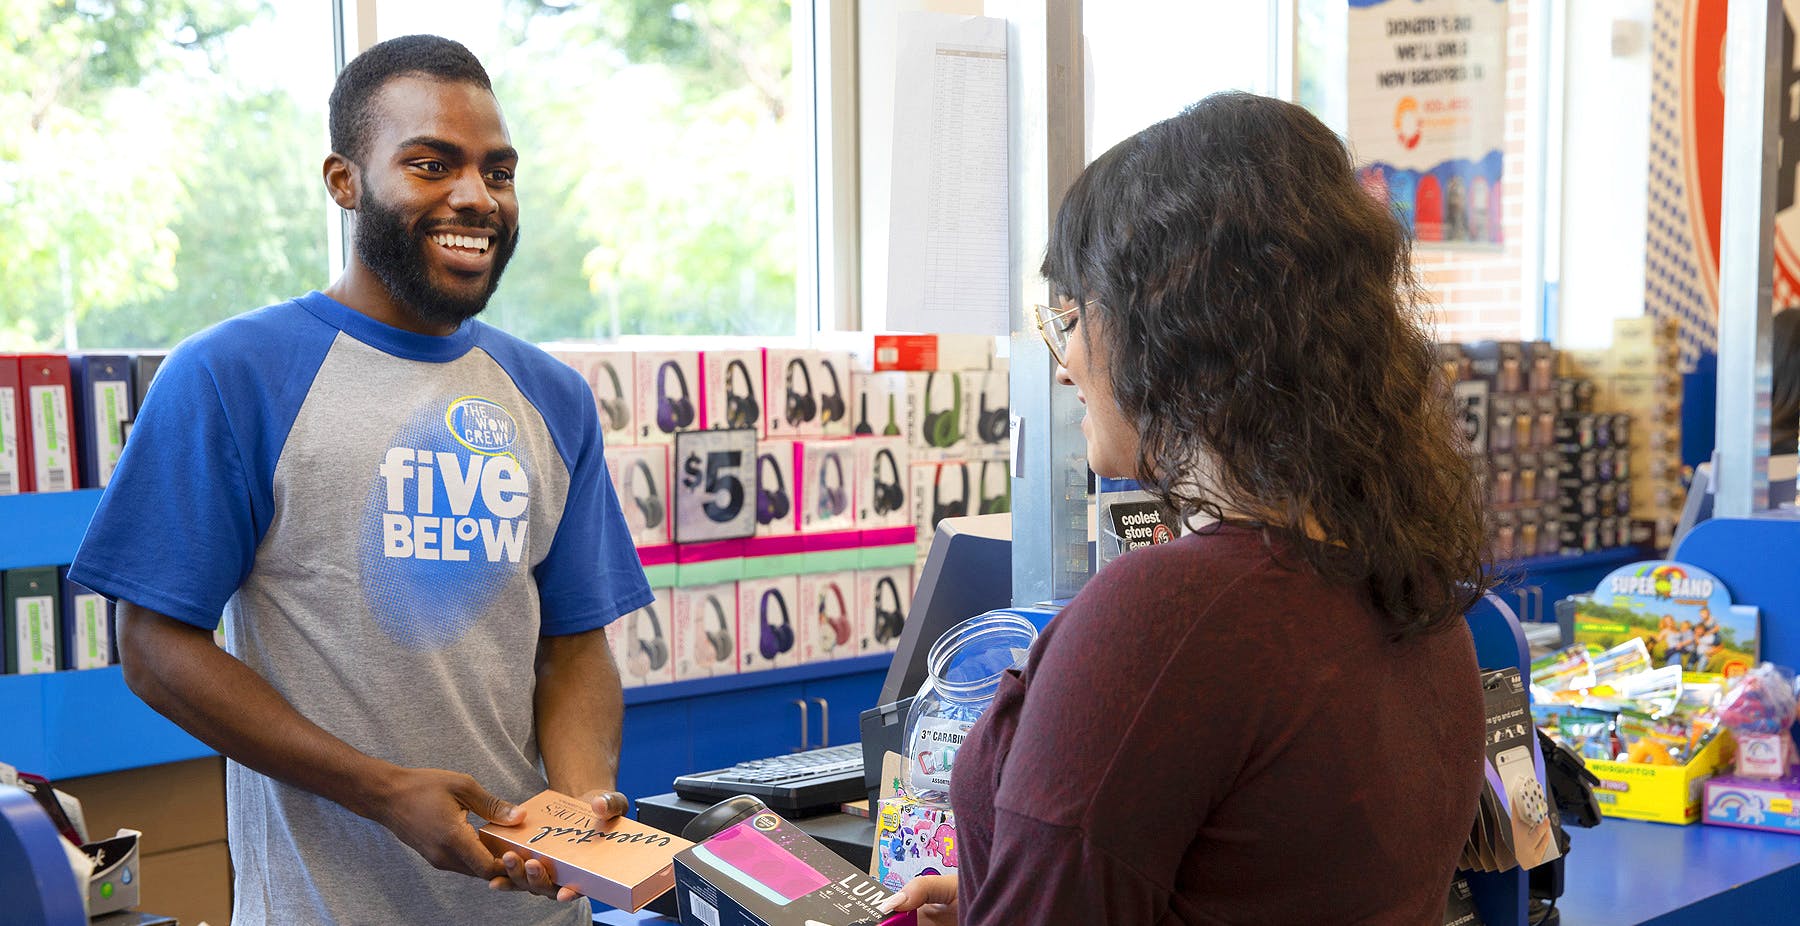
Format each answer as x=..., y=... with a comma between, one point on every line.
x=415, y=526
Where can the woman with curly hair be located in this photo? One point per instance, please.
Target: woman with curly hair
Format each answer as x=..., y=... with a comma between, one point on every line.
x=1277, y=718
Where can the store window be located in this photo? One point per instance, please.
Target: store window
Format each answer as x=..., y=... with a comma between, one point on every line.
x=1138, y=76
x=159, y=165
x=661, y=143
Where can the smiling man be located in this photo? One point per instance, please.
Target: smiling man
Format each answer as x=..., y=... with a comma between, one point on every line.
x=403, y=516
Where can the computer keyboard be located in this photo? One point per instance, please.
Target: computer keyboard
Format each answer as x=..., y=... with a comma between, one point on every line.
x=796, y=783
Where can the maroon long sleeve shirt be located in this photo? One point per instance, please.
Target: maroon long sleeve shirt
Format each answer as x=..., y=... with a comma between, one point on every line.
x=1207, y=734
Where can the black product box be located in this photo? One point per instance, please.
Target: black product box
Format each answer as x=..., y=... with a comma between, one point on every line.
x=1540, y=366
x=1501, y=430
x=1575, y=431
x=763, y=871
x=1501, y=363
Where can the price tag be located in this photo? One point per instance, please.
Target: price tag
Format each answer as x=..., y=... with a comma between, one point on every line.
x=714, y=485
x=1472, y=412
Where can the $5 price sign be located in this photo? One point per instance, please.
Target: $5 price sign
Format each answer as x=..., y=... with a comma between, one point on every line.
x=715, y=485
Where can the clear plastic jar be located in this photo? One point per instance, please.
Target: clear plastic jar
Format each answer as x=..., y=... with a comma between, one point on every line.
x=964, y=667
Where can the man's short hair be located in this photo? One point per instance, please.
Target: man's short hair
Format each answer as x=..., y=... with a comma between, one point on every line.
x=428, y=56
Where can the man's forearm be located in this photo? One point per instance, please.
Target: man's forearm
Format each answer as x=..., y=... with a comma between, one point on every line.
x=580, y=712
x=178, y=670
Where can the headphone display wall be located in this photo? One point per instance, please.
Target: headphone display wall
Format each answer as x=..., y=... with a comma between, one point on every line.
x=767, y=623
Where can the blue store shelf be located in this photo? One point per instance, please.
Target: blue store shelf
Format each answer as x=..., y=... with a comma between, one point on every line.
x=726, y=683
x=44, y=528
x=68, y=724
x=1628, y=873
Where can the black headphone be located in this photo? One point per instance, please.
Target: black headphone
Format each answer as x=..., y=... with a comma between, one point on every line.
x=862, y=424
x=889, y=496
x=888, y=623
x=771, y=503
x=944, y=428
x=647, y=655
x=740, y=410
x=833, y=500
x=775, y=639
x=941, y=509
x=650, y=505
x=990, y=426
x=800, y=406
x=834, y=631
x=831, y=405
x=723, y=640
x=672, y=412
x=996, y=504
x=616, y=409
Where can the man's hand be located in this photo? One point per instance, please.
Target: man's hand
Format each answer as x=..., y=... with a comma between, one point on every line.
x=529, y=874
x=427, y=808
x=932, y=896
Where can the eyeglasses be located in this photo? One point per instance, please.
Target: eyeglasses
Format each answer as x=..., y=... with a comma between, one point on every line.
x=1054, y=325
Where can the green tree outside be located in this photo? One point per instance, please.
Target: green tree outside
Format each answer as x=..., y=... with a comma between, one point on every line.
x=152, y=194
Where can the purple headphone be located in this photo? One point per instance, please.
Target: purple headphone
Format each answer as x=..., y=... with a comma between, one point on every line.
x=672, y=412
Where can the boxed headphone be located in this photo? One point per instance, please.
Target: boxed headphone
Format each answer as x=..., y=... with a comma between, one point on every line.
x=985, y=395
x=881, y=483
x=668, y=394
x=941, y=489
x=832, y=376
x=771, y=623
x=883, y=598
x=792, y=394
x=706, y=631
x=827, y=469
x=828, y=613
x=640, y=642
x=612, y=376
x=734, y=389
x=937, y=414
x=880, y=405
x=776, y=513
x=640, y=478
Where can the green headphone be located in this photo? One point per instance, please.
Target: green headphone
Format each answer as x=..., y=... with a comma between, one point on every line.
x=944, y=428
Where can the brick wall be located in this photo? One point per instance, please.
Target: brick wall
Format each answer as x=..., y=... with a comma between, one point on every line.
x=1480, y=294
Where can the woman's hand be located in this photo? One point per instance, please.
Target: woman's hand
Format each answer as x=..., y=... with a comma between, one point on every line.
x=932, y=896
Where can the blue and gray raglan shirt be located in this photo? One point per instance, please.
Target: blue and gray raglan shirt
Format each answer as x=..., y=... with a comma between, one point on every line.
x=387, y=523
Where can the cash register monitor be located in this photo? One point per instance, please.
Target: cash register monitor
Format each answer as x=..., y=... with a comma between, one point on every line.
x=967, y=571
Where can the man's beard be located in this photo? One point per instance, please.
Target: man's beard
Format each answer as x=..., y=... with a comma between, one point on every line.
x=397, y=257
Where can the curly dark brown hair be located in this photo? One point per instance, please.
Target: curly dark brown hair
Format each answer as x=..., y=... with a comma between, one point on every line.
x=1280, y=366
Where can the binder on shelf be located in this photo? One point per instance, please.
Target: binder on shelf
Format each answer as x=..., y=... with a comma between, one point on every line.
x=30, y=624
x=143, y=370
x=86, y=638
x=49, y=430
x=15, y=462
x=101, y=384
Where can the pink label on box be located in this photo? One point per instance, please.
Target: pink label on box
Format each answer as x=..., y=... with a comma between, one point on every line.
x=890, y=536
x=776, y=546
x=659, y=555
x=836, y=540
x=709, y=551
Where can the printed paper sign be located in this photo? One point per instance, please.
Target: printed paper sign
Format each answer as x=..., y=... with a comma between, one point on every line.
x=1427, y=94
x=714, y=485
